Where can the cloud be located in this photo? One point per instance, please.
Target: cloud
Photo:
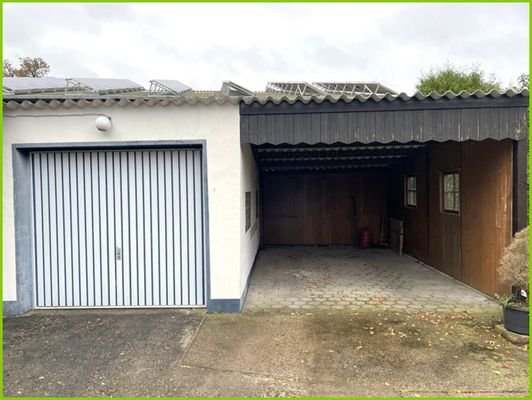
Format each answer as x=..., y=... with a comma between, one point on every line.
x=203, y=44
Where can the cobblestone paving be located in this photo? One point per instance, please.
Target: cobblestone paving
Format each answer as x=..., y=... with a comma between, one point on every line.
x=301, y=279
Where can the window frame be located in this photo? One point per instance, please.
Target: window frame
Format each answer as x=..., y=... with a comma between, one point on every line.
x=407, y=191
x=456, y=193
x=257, y=205
x=247, y=207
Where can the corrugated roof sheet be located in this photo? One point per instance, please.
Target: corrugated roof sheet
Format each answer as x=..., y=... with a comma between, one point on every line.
x=266, y=97
x=12, y=102
x=459, y=117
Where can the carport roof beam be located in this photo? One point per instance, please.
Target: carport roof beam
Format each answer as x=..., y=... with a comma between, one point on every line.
x=337, y=148
x=323, y=167
x=327, y=158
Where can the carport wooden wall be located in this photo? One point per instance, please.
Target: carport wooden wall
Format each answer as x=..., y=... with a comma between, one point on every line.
x=321, y=209
x=467, y=245
x=416, y=234
x=444, y=227
x=486, y=211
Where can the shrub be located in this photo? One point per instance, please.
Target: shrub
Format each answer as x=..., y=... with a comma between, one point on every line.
x=513, y=268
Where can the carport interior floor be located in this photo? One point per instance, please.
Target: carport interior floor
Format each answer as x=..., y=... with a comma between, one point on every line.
x=310, y=278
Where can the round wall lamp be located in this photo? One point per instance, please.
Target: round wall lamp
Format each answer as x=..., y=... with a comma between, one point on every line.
x=103, y=123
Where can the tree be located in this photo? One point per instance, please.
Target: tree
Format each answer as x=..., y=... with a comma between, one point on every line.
x=451, y=78
x=34, y=67
x=523, y=82
x=9, y=69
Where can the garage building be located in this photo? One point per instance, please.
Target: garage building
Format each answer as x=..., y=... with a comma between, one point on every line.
x=169, y=205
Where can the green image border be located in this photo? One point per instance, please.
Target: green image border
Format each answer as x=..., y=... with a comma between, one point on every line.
x=240, y=1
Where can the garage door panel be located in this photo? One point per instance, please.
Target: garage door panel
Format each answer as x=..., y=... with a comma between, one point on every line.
x=162, y=226
x=38, y=226
x=82, y=218
x=177, y=240
x=53, y=225
x=190, y=229
x=118, y=228
x=61, y=229
x=67, y=229
x=184, y=228
x=198, y=224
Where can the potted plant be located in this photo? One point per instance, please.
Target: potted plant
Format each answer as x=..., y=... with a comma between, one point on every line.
x=513, y=269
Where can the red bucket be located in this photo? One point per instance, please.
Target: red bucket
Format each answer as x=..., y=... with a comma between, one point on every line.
x=364, y=239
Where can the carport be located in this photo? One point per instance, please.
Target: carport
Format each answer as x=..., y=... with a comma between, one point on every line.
x=451, y=169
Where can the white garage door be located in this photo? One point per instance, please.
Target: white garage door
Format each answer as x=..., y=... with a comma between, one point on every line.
x=118, y=228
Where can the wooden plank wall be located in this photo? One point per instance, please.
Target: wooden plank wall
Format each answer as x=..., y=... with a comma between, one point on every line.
x=321, y=209
x=486, y=177
x=444, y=227
x=416, y=222
x=467, y=245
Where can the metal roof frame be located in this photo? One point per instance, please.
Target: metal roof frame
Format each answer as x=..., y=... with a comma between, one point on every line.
x=354, y=88
x=230, y=88
x=92, y=85
x=167, y=87
x=294, y=88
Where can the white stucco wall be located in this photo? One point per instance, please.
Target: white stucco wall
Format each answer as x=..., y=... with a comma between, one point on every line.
x=217, y=124
x=250, y=240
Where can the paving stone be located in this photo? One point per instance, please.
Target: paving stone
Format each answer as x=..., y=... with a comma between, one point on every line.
x=290, y=278
x=362, y=298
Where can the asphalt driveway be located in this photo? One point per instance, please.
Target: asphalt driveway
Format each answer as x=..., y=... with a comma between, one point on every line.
x=190, y=353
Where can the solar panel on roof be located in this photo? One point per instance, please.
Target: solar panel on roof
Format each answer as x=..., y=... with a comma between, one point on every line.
x=230, y=88
x=105, y=86
x=328, y=88
x=353, y=88
x=25, y=85
x=168, y=86
x=294, y=88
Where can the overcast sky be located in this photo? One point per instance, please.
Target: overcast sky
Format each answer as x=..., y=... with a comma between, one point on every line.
x=205, y=44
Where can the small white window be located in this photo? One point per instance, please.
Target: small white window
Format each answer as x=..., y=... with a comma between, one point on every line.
x=451, y=192
x=410, y=191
